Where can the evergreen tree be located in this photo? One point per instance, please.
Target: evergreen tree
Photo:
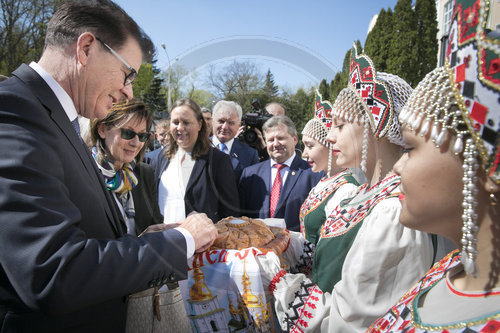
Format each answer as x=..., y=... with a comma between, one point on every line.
x=270, y=87
x=324, y=89
x=379, y=39
x=402, y=50
x=340, y=80
x=427, y=44
x=148, y=86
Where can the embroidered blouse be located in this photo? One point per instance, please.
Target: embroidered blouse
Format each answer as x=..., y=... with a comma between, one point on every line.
x=458, y=311
x=382, y=260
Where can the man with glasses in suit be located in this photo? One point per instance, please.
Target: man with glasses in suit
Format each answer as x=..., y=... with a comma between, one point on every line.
x=66, y=264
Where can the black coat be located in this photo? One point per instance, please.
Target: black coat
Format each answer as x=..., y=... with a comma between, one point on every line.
x=65, y=263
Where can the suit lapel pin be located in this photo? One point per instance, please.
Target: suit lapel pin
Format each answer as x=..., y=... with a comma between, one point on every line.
x=293, y=173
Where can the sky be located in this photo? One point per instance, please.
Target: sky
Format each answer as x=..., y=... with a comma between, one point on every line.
x=301, y=42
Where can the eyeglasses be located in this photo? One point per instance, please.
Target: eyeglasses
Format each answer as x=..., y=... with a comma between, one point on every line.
x=130, y=77
x=128, y=134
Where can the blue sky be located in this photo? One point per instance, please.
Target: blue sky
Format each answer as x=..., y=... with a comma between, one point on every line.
x=300, y=41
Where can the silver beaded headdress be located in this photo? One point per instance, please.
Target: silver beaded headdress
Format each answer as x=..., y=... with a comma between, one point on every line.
x=463, y=98
x=373, y=99
x=318, y=127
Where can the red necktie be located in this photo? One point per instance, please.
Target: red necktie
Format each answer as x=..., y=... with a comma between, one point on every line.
x=276, y=189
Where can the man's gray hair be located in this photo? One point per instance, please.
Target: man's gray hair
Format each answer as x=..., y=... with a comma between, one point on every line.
x=222, y=105
x=280, y=120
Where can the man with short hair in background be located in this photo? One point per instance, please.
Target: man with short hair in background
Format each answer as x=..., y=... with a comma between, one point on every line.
x=161, y=135
x=277, y=187
x=226, y=121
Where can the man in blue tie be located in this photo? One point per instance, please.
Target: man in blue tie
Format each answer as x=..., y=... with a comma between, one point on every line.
x=278, y=186
x=226, y=121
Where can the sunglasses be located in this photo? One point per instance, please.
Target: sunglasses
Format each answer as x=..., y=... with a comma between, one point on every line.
x=130, y=77
x=128, y=134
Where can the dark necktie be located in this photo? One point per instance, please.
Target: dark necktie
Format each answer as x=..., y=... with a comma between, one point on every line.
x=76, y=126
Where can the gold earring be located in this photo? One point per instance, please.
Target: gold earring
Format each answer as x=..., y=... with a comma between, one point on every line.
x=493, y=200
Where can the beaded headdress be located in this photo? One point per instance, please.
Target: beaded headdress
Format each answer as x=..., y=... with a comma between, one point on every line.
x=373, y=99
x=462, y=98
x=318, y=127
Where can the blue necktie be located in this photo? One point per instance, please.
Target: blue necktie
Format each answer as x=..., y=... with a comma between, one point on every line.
x=222, y=147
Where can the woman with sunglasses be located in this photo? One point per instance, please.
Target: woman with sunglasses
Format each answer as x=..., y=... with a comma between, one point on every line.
x=192, y=175
x=450, y=177
x=119, y=143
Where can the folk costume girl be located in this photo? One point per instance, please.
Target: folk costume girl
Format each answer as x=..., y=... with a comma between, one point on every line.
x=337, y=184
x=452, y=137
x=364, y=257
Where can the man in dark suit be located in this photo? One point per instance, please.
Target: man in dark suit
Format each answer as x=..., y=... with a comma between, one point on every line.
x=161, y=134
x=278, y=186
x=226, y=122
x=66, y=264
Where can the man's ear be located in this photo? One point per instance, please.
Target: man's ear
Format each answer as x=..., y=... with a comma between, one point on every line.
x=84, y=47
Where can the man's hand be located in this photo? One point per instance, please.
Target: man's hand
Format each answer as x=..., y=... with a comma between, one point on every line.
x=261, y=144
x=202, y=229
x=239, y=131
x=159, y=227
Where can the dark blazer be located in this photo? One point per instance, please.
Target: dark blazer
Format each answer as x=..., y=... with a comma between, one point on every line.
x=145, y=195
x=151, y=156
x=255, y=185
x=65, y=263
x=242, y=156
x=211, y=188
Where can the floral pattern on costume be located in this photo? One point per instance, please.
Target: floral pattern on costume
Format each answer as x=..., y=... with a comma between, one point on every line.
x=403, y=318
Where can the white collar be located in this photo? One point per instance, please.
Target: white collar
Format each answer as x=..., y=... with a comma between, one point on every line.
x=61, y=94
x=229, y=144
x=288, y=162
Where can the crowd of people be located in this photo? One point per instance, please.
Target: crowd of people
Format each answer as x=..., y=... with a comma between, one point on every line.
x=395, y=192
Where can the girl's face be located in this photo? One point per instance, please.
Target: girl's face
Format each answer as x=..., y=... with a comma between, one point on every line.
x=347, y=142
x=431, y=183
x=316, y=154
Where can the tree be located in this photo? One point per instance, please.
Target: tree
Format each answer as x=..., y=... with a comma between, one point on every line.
x=299, y=106
x=239, y=82
x=427, y=45
x=379, y=39
x=340, y=80
x=402, y=48
x=148, y=88
x=202, y=97
x=324, y=89
x=22, y=31
x=270, y=88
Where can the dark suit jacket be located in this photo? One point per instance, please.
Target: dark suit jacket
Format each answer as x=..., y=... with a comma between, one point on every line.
x=211, y=188
x=255, y=193
x=242, y=156
x=151, y=156
x=65, y=263
x=145, y=195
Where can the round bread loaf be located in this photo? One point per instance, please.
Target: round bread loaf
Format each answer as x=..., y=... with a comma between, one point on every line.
x=236, y=233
